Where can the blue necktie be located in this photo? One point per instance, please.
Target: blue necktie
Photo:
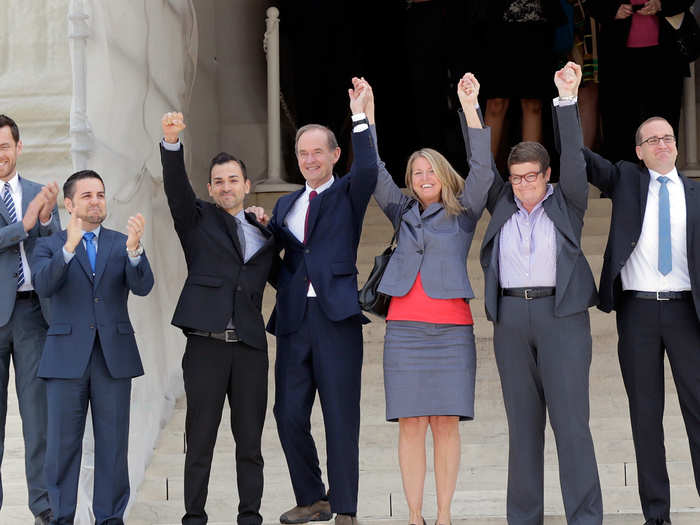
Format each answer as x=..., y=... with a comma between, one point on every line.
x=10, y=205
x=665, y=264
x=90, y=249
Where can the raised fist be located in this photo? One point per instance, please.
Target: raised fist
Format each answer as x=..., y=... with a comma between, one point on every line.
x=567, y=79
x=172, y=123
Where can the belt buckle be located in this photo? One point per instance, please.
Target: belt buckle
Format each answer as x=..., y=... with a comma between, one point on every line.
x=659, y=298
x=528, y=297
x=230, y=336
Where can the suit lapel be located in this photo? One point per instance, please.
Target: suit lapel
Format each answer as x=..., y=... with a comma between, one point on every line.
x=105, y=243
x=286, y=205
x=316, y=204
x=644, y=179
x=29, y=191
x=504, y=210
x=691, y=215
x=81, y=256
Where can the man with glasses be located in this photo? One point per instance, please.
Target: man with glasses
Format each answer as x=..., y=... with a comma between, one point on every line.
x=650, y=278
x=539, y=287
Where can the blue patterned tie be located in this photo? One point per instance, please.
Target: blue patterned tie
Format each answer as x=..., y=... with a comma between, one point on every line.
x=10, y=205
x=90, y=249
x=665, y=264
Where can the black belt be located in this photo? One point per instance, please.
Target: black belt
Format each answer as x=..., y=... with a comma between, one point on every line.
x=228, y=336
x=661, y=296
x=28, y=294
x=529, y=293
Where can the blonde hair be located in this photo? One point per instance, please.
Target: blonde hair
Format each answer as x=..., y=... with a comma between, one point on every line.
x=451, y=181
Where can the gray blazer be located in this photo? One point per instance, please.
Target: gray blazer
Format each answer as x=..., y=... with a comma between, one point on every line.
x=575, y=287
x=431, y=241
x=10, y=237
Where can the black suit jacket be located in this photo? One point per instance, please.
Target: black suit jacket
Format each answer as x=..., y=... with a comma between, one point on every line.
x=627, y=184
x=219, y=285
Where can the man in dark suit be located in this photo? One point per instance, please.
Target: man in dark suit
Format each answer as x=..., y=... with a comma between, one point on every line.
x=28, y=212
x=538, y=288
x=90, y=353
x=317, y=318
x=650, y=277
x=229, y=256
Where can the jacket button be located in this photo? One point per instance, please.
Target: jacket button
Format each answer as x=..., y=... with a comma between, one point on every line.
x=92, y=327
x=420, y=252
x=239, y=288
x=633, y=243
x=419, y=226
x=97, y=299
x=307, y=250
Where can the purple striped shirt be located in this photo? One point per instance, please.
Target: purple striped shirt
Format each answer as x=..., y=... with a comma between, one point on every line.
x=527, y=248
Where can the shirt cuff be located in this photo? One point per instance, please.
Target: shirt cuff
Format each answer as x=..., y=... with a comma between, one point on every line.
x=67, y=256
x=561, y=103
x=361, y=118
x=171, y=147
x=134, y=261
x=47, y=223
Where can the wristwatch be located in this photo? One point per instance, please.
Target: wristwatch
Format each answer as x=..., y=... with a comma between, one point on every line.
x=135, y=253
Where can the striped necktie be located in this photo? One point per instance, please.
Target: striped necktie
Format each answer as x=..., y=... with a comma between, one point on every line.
x=10, y=205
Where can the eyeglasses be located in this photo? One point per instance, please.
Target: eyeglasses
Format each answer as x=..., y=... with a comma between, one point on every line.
x=529, y=177
x=654, y=141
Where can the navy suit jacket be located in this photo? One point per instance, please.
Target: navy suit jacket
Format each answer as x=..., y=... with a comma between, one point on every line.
x=84, y=306
x=328, y=258
x=627, y=184
x=11, y=234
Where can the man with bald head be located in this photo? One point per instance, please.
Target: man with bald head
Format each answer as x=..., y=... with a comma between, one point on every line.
x=650, y=277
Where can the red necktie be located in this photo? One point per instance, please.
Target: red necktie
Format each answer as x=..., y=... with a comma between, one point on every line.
x=312, y=195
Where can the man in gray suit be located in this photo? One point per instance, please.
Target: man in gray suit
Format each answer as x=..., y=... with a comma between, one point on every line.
x=538, y=291
x=28, y=211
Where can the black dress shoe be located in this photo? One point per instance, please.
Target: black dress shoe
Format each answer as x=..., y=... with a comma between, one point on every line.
x=44, y=518
x=657, y=521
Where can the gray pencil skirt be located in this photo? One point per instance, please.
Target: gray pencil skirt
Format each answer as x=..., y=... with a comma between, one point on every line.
x=429, y=370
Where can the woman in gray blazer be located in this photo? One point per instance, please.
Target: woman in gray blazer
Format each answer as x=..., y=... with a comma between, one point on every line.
x=429, y=350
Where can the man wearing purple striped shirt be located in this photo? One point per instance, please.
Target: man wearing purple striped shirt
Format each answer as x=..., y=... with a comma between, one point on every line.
x=539, y=287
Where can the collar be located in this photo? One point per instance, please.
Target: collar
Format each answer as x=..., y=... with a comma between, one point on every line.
x=14, y=183
x=241, y=216
x=672, y=175
x=323, y=187
x=96, y=231
x=550, y=190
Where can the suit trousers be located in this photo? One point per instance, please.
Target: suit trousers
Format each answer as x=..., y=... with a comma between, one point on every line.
x=321, y=355
x=544, y=364
x=109, y=401
x=646, y=328
x=22, y=339
x=213, y=370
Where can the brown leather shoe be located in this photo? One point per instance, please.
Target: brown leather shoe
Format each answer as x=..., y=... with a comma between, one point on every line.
x=345, y=519
x=319, y=511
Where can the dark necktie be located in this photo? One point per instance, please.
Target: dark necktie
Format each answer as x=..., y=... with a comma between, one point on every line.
x=312, y=195
x=90, y=249
x=10, y=205
x=665, y=260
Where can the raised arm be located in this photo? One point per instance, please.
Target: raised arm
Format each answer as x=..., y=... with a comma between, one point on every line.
x=387, y=194
x=363, y=173
x=481, y=173
x=178, y=190
x=572, y=179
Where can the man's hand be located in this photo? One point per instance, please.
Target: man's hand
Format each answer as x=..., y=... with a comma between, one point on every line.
x=624, y=11
x=74, y=233
x=651, y=7
x=567, y=79
x=134, y=227
x=32, y=213
x=358, y=97
x=50, y=192
x=468, y=91
x=172, y=123
x=259, y=213
x=361, y=84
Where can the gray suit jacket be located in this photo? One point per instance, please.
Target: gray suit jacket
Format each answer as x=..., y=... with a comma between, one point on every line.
x=10, y=237
x=575, y=286
x=431, y=241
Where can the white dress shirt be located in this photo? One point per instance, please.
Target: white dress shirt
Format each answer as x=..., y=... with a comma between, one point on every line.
x=16, y=192
x=641, y=271
x=296, y=217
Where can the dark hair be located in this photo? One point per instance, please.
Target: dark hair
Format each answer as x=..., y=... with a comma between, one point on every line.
x=529, y=152
x=223, y=158
x=7, y=121
x=330, y=136
x=638, y=134
x=69, y=185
